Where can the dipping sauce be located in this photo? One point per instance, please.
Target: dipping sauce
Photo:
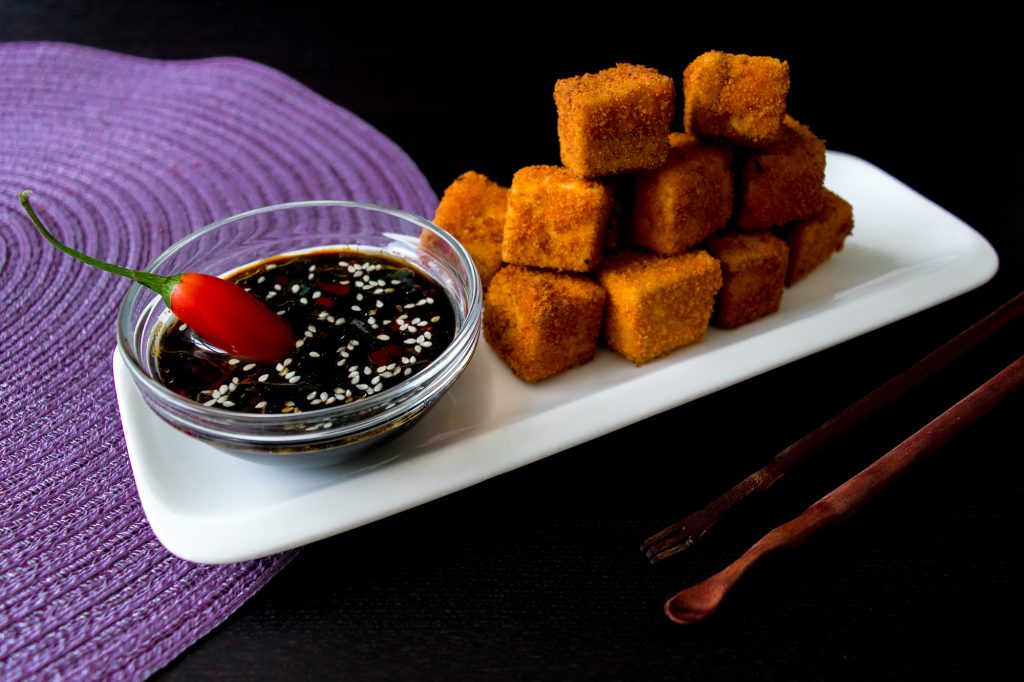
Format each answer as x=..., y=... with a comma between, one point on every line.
x=365, y=322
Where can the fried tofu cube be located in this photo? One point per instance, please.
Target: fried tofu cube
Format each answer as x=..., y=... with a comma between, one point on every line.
x=679, y=204
x=555, y=219
x=472, y=209
x=614, y=121
x=542, y=322
x=781, y=182
x=813, y=241
x=657, y=304
x=736, y=97
x=754, y=268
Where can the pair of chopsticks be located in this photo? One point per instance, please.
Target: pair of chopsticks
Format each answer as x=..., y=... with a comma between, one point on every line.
x=698, y=601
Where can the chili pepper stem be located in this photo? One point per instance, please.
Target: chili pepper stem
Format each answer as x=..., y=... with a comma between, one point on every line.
x=161, y=284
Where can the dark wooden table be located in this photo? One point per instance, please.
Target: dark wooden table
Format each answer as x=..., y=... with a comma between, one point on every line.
x=536, y=574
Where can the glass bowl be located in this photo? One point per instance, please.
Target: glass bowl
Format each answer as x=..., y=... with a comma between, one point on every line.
x=340, y=431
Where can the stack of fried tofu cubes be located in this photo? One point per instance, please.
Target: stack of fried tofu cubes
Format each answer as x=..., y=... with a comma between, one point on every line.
x=643, y=237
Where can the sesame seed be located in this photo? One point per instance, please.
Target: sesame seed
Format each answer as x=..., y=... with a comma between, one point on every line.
x=300, y=343
x=210, y=403
x=280, y=312
x=263, y=377
x=287, y=361
x=316, y=295
x=182, y=327
x=304, y=300
x=271, y=266
x=383, y=337
x=261, y=279
x=260, y=405
x=356, y=308
x=311, y=395
x=249, y=366
x=289, y=375
x=295, y=288
x=313, y=354
x=277, y=287
x=294, y=379
x=233, y=361
x=270, y=295
x=228, y=403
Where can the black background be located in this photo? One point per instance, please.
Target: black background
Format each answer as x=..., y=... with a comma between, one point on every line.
x=536, y=574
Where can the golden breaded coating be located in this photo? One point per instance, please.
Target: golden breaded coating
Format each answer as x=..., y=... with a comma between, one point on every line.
x=542, y=322
x=735, y=97
x=657, y=304
x=753, y=275
x=614, y=121
x=472, y=209
x=555, y=219
x=684, y=201
x=487, y=259
x=781, y=182
x=813, y=241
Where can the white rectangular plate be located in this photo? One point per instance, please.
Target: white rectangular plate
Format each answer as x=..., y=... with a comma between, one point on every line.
x=905, y=254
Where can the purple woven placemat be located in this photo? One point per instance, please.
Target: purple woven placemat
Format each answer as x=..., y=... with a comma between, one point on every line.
x=124, y=156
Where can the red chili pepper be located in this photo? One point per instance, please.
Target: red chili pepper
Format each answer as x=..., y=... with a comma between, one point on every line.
x=220, y=312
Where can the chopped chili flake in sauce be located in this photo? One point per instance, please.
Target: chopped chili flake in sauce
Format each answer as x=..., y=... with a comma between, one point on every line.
x=363, y=323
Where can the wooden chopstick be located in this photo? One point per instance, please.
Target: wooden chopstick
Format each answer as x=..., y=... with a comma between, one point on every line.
x=697, y=602
x=684, y=533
